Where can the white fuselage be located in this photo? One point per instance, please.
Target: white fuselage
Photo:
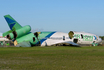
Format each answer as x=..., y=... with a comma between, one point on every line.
x=56, y=38
x=86, y=38
x=60, y=37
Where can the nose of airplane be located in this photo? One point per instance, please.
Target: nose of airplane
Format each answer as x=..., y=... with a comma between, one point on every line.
x=99, y=40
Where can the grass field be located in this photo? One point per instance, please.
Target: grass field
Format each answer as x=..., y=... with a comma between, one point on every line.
x=52, y=58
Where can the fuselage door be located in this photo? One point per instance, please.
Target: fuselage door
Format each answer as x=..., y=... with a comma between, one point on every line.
x=81, y=36
x=63, y=37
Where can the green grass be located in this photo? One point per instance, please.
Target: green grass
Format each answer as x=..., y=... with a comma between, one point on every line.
x=52, y=58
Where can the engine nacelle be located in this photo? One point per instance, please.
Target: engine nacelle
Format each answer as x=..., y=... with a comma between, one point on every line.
x=10, y=36
x=20, y=32
x=71, y=34
x=26, y=38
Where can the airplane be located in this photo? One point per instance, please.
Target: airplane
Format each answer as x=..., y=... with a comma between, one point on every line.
x=23, y=37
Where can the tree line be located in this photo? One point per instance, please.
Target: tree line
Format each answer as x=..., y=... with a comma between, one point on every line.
x=102, y=37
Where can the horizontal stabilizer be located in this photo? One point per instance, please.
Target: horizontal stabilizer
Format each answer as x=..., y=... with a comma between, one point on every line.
x=6, y=33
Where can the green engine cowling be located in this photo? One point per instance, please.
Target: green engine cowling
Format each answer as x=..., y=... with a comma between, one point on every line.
x=27, y=38
x=19, y=33
x=10, y=36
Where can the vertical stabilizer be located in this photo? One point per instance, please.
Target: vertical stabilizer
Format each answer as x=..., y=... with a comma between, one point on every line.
x=13, y=24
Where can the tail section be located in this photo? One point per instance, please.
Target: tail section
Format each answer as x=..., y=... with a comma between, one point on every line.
x=13, y=24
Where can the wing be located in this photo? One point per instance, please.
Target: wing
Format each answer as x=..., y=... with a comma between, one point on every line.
x=68, y=42
x=71, y=43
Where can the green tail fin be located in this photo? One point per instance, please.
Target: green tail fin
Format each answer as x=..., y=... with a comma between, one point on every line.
x=14, y=25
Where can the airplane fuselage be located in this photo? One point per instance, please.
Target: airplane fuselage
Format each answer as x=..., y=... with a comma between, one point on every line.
x=60, y=38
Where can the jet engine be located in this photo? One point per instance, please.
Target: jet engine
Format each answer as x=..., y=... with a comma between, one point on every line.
x=19, y=33
x=71, y=35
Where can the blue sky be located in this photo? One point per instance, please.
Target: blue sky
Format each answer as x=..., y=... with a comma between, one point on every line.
x=55, y=15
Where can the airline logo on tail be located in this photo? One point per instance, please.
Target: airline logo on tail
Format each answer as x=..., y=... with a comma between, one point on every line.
x=12, y=23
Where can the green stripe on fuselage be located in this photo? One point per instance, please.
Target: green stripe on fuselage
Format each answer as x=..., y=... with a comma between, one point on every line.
x=85, y=37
